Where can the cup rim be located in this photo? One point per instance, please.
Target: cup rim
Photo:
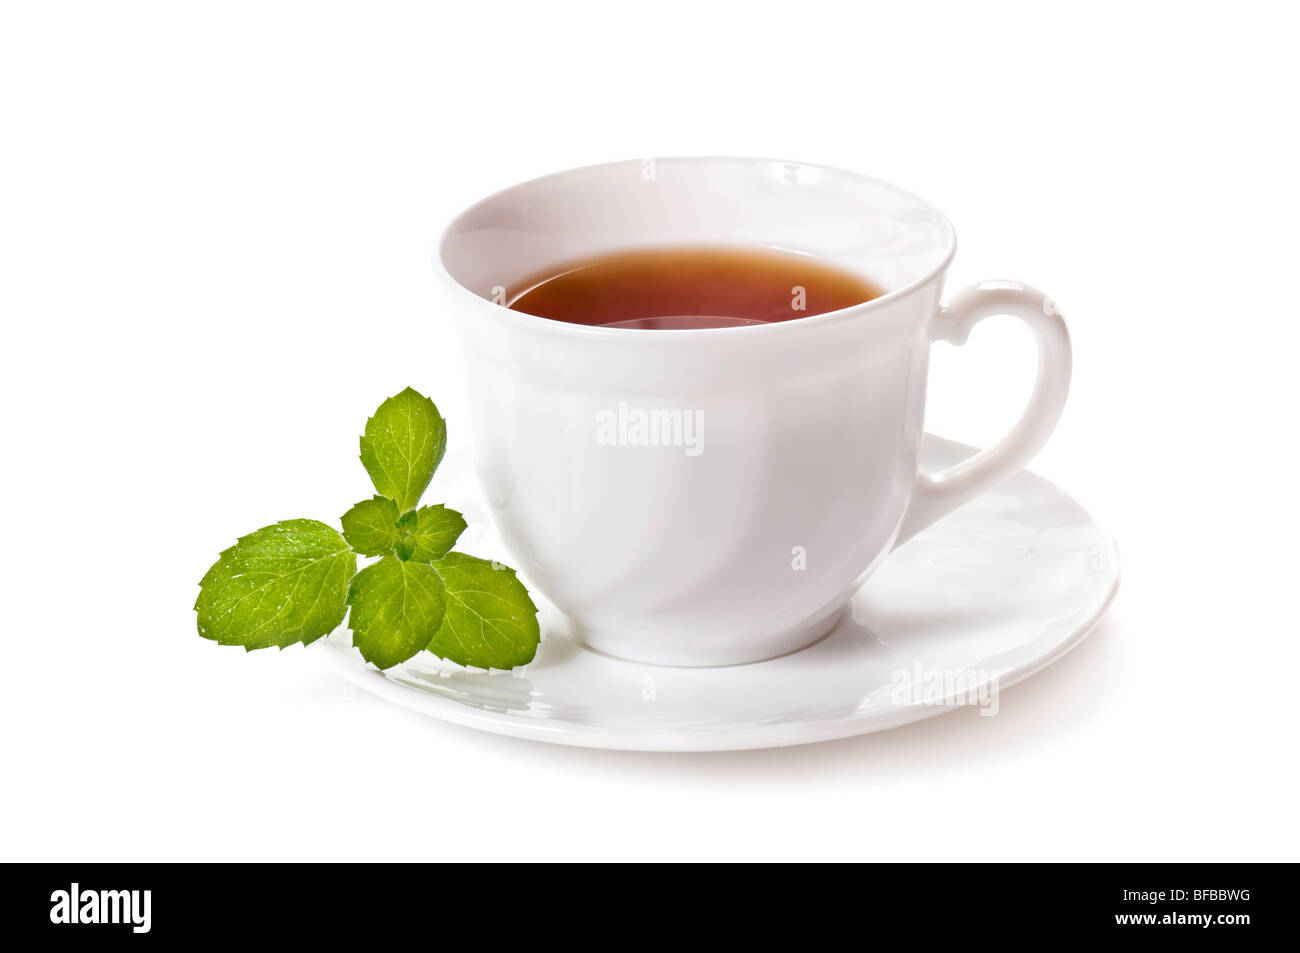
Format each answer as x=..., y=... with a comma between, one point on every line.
x=838, y=316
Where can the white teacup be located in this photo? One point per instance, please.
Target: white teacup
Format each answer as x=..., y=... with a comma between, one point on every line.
x=711, y=497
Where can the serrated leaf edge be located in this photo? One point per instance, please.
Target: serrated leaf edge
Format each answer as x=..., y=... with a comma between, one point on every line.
x=365, y=438
x=498, y=567
x=350, y=598
x=282, y=645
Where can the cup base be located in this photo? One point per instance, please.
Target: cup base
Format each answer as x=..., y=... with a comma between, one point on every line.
x=625, y=646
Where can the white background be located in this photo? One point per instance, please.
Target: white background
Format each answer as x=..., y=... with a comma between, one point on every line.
x=215, y=227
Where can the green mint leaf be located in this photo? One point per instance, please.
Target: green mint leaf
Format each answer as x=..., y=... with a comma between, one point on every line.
x=371, y=526
x=396, y=608
x=282, y=584
x=402, y=446
x=428, y=533
x=490, y=621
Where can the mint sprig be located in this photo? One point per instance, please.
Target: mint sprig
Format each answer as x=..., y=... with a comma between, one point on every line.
x=295, y=581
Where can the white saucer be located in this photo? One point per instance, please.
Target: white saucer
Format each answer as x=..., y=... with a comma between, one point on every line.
x=1002, y=587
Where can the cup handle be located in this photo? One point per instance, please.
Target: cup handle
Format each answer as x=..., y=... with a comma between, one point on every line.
x=937, y=494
